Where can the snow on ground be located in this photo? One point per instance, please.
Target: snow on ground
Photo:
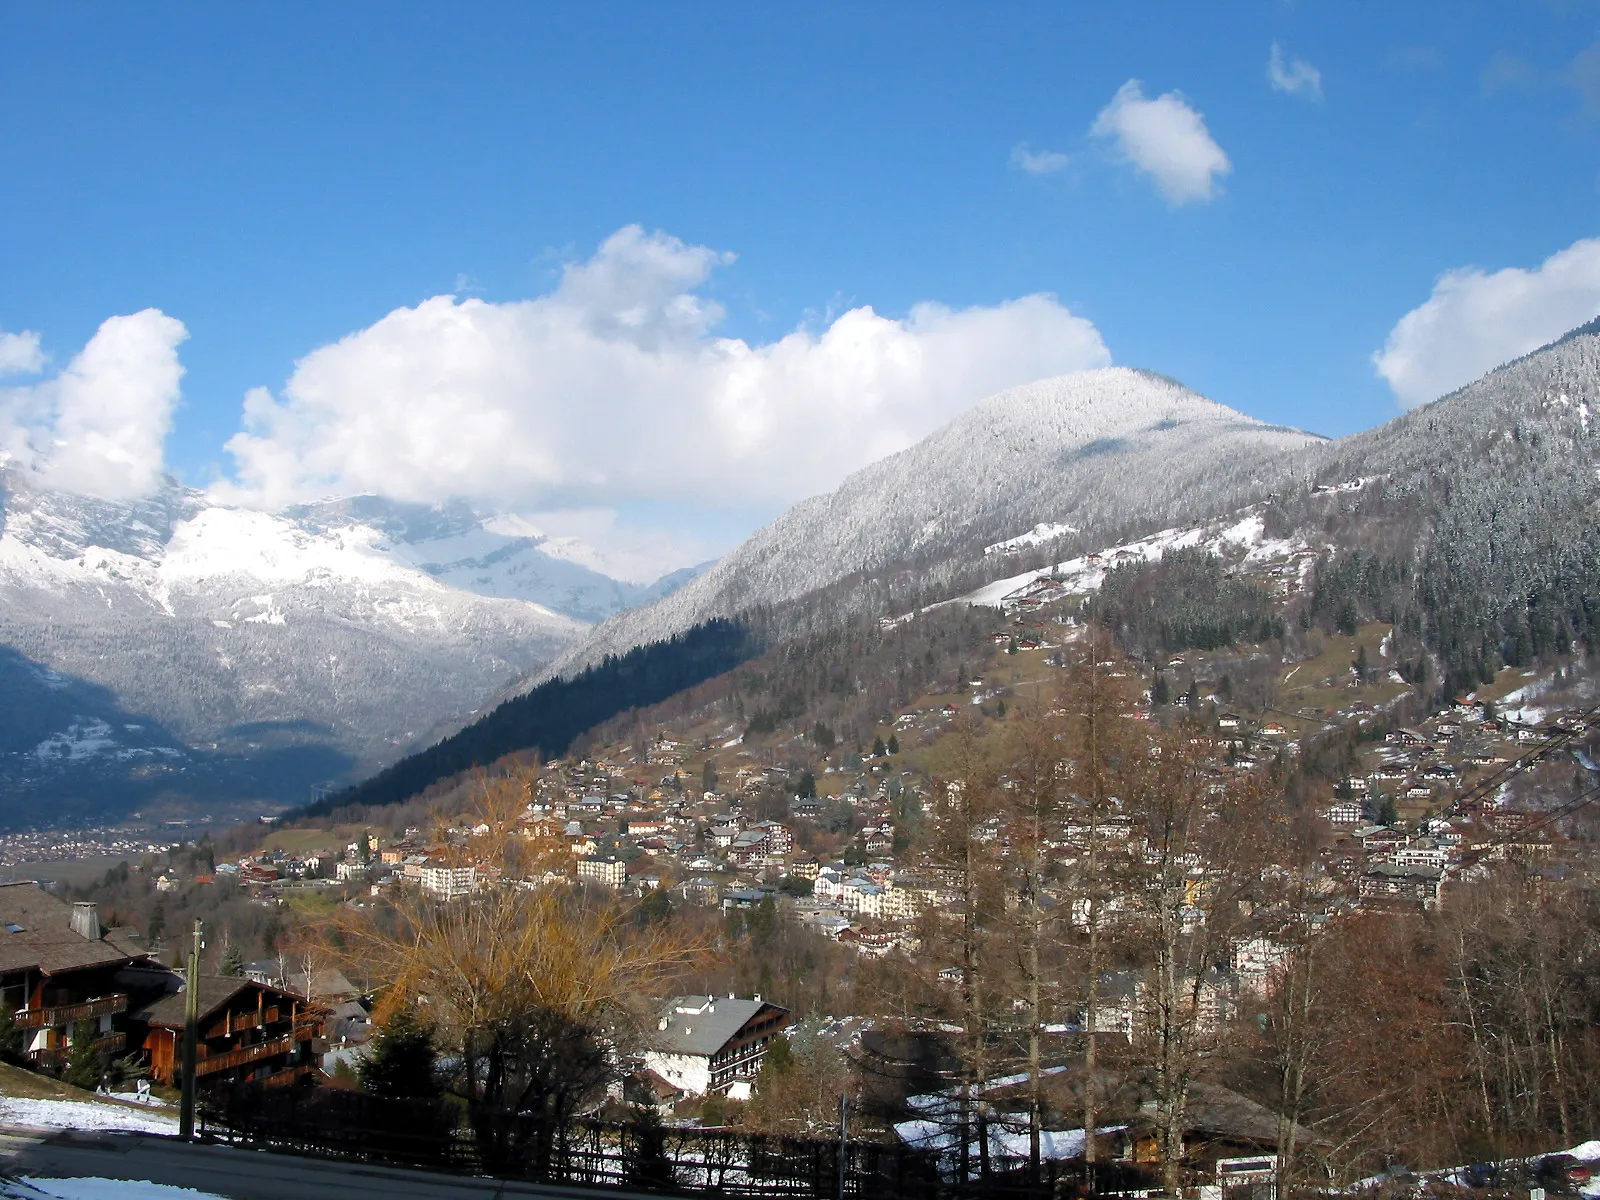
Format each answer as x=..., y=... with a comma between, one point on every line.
x=1584, y=1152
x=1054, y=1144
x=1039, y=534
x=112, y=1189
x=82, y=1114
x=1528, y=714
x=1087, y=573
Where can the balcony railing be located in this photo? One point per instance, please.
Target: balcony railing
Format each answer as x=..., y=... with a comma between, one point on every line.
x=56, y=1056
x=243, y=1056
x=67, y=1014
x=239, y=1022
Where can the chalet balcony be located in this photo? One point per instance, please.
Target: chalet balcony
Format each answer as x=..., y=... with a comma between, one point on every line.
x=55, y=1057
x=68, y=1014
x=243, y=1056
x=234, y=1023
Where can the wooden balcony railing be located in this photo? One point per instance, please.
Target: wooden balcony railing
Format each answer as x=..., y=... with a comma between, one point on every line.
x=55, y=1057
x=238, y=1022
x=67, y=1014
x=243, y=1056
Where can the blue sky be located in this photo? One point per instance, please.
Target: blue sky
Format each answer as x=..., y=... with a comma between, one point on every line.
x=278, y=177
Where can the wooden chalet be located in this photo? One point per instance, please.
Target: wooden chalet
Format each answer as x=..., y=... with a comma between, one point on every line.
x=63, y=977
x=249, y=1031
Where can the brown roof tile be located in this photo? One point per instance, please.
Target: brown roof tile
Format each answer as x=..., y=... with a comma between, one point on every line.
x=36, y=932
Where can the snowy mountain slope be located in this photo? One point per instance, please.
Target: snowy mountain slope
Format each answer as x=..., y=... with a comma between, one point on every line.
x=1097, y=451
x=241, y=636
x=490, y=555
x=1239, y=540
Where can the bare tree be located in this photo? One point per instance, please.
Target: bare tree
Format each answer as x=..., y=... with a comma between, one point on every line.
x=1206, y=839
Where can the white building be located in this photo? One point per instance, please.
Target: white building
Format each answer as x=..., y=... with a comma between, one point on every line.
x=713, y=1044
x=449, y=882
x=608, y=871
x=861, y=896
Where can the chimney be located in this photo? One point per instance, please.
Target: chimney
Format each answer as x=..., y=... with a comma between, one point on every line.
x=86, y=920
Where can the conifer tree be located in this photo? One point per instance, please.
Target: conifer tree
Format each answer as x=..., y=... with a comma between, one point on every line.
x=400, y=1059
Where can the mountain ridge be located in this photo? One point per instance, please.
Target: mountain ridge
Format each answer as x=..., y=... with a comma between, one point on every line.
x=335, y=634
x=1155, y=419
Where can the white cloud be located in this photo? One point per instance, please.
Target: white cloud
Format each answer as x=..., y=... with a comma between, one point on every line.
x=614, y=388
x=1166, y=139
x=1038, y=162
x=599, y=539
x=1295, y=76
x=20, y=353
x=98, y=427
x=1474, y=321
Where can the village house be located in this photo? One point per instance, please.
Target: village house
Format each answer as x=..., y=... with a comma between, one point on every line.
x=713, y=1044
x=249, y=1031
x=62, y=975
x=1388, y=883
x=1344, y=812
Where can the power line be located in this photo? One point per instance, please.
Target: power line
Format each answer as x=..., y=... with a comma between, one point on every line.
x=1583, y=800
x=1556, y=741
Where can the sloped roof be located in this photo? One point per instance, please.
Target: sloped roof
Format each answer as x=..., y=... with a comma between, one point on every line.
x=36, y=931
x=215, y=992
x=703, y=1024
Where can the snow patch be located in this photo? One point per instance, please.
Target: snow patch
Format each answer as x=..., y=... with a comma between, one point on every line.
x=83, y=1114
x=1245, y=531
x=80, y=740
x=114, y=1189
x=1043, y=532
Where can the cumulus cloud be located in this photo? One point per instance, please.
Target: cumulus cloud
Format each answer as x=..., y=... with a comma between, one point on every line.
x=1476, y=320
x=1038, y=162
x=614, y=387
x=1165, y=138
x=20, y=353
x=1293, y=75
x=98, y=428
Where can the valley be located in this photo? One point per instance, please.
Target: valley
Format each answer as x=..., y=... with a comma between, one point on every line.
x=1081, y=779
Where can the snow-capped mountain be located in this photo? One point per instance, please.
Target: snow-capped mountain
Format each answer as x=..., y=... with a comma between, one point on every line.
x=1098, y=450
x=495, y=555
x=154, y=640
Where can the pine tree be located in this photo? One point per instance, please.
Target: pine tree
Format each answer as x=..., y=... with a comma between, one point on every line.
x=12, y=1041
x=232, y=963
x=1160, y=694
x=400, y=1058
x=85, y=1067
x=878, y=748
x=894, y=744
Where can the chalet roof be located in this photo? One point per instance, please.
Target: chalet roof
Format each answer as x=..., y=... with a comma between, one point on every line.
x=36, y=932
x=1402, y=871
x=216, y=992
x=1221, y=1112
x=327, y=984
x=703, y=1024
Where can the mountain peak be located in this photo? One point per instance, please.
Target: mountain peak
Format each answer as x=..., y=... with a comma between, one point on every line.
x=1094, y=449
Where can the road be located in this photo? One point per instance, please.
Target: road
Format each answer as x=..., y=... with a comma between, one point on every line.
x=250, y=1174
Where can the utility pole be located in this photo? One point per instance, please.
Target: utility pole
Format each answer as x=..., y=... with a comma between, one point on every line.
x=844, y=1144
x=191, y=1039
